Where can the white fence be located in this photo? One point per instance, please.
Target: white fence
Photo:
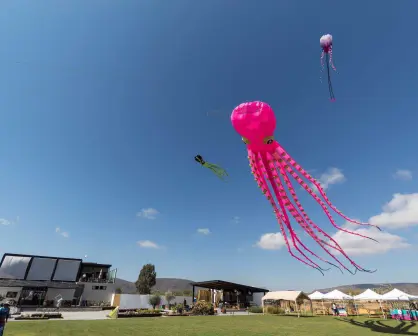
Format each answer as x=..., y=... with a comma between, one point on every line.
x=137, y=301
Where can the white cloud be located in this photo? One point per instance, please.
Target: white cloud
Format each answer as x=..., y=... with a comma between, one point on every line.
x=203, y=231
x=4, y=221
x=236, y=219
x=148, y=244
x=271, y=241
x=149, y=213
x=400, y=212
x=355, y=245
x=62, y=233
x=331, y=176
x=403, y=174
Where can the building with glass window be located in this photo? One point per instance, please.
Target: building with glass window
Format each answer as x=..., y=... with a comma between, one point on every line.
x=33, y=280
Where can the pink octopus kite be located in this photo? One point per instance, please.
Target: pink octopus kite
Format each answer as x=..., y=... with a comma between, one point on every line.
x=256, y=122
x=326, y=44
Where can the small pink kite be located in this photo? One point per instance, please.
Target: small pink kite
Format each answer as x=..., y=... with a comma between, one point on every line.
x=256, y=122
x=326, y=44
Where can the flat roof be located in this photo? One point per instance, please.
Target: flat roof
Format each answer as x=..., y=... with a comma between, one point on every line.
x=225, y=285
x=36, y=256
x=93, y=264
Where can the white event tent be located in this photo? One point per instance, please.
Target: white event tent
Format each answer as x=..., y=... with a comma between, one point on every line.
x=316, y=296
x=398, y=295
x=368, y=294
x=336, y=295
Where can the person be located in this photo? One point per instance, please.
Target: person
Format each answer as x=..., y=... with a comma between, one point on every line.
x=3, y=318
x=7, y=308
x=334, y=309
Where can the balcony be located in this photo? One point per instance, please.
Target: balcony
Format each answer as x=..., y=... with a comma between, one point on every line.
x=96, y=280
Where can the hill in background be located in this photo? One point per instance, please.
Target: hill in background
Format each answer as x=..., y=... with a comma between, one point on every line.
x=163, y=285
x=183, y=285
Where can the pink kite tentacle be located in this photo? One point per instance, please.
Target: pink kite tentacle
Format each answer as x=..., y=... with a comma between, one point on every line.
x=256, y=166
x=296, y=215
x=285, y=217
x=299, y=205
x=330, y=59
x=310, y=191
x=294, y=164
x=258, y=176
x=320, y=202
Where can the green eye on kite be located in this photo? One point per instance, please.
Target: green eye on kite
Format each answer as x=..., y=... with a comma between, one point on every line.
x=219, y=171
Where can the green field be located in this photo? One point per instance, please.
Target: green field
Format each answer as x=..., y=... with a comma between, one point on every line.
x=214, y=325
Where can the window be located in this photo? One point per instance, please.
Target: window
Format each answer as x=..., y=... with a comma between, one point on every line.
x=11, y=295
x=99, y=287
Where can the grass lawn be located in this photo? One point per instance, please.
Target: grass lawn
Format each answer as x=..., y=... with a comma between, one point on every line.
x=214, y=325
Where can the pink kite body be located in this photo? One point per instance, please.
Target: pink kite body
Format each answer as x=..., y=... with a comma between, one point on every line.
x=326, y=44
x=271, y=164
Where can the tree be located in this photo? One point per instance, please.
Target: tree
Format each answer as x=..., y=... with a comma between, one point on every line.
x=118, y=290
x=154, y=300
x=169, y=296
x=146, y=279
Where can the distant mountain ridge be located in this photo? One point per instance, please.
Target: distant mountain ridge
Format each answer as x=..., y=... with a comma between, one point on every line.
x=178, y=285
x=162, y=285
x=407, y=287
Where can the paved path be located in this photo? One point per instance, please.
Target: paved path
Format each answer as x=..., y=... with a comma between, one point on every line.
x=92, y=315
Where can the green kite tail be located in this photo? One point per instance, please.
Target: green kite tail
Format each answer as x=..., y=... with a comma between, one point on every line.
x=219, y=171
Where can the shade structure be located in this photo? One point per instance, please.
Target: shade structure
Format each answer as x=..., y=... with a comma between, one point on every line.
x=398, y=295
x=337, y=295
x=368, y=294
x=285, y=295
x=316, y=296
x=294, y=296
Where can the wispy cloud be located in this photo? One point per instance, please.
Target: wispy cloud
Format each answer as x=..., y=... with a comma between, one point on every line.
x=355, y=245
x=271, y=241
x=148, y=244
x=205, y=231
x=236, y=219
x=4, y=221
x=400, y=212
x=403, y=174
x=148, y=213
x=62, y=233
x=331, y=176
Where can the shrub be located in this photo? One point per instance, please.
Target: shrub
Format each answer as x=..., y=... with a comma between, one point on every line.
x=154, y=300
x=203, y=308
x=255, y=310
x=275, y=310
x=169, y=296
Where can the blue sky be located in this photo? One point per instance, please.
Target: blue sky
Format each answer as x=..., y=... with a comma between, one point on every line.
x=104, y=105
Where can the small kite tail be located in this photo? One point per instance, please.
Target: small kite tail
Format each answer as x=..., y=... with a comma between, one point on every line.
x=331, y=91
x=331, y=62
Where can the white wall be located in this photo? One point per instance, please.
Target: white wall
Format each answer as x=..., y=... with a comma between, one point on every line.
x=257, y=298
x=136, y=301
x=4, y=290
x=98, y=295
x=67, y=294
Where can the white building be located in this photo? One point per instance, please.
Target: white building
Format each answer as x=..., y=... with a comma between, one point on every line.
x=34, y=280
